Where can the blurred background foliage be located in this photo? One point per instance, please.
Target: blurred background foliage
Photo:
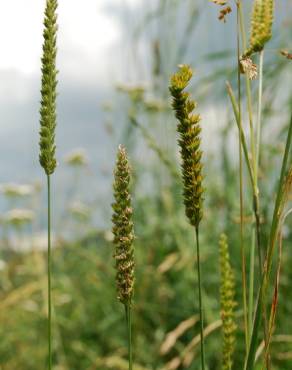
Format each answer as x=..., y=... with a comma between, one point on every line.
x=89, y=331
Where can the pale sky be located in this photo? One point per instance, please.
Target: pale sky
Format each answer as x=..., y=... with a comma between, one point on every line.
x=94, y=53
x=87, y=33
x=89, y=47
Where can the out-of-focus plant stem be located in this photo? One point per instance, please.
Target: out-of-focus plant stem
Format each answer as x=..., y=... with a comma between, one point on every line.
x=200, y=300
x=242, y=249
x=49, y=276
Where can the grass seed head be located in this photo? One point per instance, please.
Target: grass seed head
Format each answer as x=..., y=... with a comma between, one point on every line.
x=48, y=90
x=249, y=68
x=190, y=142
x=261, y=25
x=123, y=228
x=227, y=293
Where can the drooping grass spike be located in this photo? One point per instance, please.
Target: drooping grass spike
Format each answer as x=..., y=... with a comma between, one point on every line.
x=48, y=90
x=189, y=130
x=190, y=142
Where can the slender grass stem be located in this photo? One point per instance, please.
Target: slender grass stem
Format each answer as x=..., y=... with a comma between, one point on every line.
x=259, y=113
x=248, y=86
x=242, y=250
x=49, y=261
x=255, y=150
x=251, y=282
x=242, y=135
x=254, y=165
x=256, y=207
x=258, y=147
x=269, y=257
x=254, y=188
x=200, y=300
x=128, y=313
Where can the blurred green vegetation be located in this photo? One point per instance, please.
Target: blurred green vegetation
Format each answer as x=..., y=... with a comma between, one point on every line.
x=89, y=330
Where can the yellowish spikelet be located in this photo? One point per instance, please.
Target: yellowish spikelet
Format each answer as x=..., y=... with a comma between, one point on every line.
x=123, y=229
x=48, y=115
x=227, y=293
x=190, y=144
x=261, y=25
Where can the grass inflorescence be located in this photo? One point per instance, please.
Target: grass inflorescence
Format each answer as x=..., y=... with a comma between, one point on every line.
x=48, y=90
x=261, y=25
x=189, y=130
x=47, y=131
x=241, y=191
x=190, y=144
x=228, y=304
x=123, y=238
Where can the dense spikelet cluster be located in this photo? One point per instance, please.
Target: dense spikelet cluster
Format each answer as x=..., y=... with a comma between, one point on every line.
x=190, y=142
x=261, y=25
x=48, y=90
x=123, y=229
x=227, y=292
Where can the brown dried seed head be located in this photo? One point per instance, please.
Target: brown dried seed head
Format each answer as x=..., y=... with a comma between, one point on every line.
x=286, y=54
x=223, y=13
x=220, y=2
x=248, y=67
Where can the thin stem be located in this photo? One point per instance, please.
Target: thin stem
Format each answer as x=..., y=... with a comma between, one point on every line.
x=256, y=207
x=49, y=275
x=256, y=196
x=249, y=167
x=259, y=114
x=200, y=301
x=255, y=190
x=258, y=147
x=242, y=135
x=269, y=257
x=128, y=313
x=251, y=282
x=243, y=262
x=253, y=183
x=248, y=88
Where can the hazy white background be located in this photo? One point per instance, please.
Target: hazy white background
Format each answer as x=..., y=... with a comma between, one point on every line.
x=89, y=45
x=94, y=44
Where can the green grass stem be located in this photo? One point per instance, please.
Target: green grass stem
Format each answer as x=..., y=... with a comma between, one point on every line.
x=259, y=113
x=242, y=249
x=49, y=267
x=128, y=312
x=200, y=300
x=249, y=365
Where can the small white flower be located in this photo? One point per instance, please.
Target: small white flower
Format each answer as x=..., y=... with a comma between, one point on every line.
x=16, y=190
x=78, y=157
x=19, y=217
